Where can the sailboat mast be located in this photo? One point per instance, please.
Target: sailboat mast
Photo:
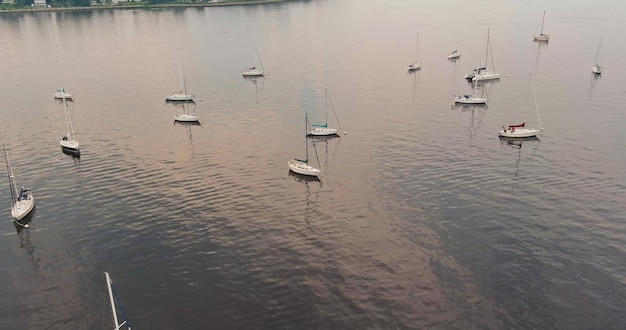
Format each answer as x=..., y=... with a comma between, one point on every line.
x=259, y=57
x=185, y=106
x=326, y=107
x=180, y=74
x=532, y=83
x=70, y=128
x=117, y=325
x=306, y=142
x=487, y=50
x=12, y=186
x=543, y=19
x=595, y=61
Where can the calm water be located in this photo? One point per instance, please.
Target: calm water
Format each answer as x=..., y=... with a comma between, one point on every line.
x=423, y=217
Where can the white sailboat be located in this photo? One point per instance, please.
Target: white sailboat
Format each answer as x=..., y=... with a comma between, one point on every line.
x=62, y=94
x=520, y=130
x=418, y=64
x=186, y=117
x=541, y=36
x=180, y=95
x=471, y=99
x=22, y=201
x=455, y=53
x=254, y=71
x=68, y=142
x=597, y=68
x=301, y=166
x=483, y=75
x=112, y=297
x=323, y=129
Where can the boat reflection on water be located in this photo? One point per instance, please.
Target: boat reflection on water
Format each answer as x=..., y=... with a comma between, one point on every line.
x=517, y=143
x=310, y=182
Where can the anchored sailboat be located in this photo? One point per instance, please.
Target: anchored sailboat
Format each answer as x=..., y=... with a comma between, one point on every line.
x=471, y=99
x=113, y=297
x=22, y=201
x=482, y=75
x=301, y=166
x=186, y=116
x=180, y=95
x=323, y=129
x=597, y=69
x=520, y=130
x=68, y=142
x=254, y=71
x=541, y=36
x=418, y=64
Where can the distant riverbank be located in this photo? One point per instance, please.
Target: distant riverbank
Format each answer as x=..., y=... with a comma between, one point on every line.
x=134, y=5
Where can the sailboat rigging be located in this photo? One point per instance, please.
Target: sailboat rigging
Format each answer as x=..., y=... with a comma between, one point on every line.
x=61, y=93
x=180, y=95
x=323, y=129
x=254, y=71
x=301, y=166
x=186, y=116
x=520, y=130
x=68, y=142
x=22, y=201
x=597, y=68
x=113, y=297
x=418, y=64
x=541, y=36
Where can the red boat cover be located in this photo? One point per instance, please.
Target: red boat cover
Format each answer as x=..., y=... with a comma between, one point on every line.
x=520, y=125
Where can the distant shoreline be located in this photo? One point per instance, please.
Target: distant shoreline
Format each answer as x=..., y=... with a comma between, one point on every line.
x=130, y=5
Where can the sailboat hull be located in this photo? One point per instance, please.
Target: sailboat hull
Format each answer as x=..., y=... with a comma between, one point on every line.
x=252, y=73
x=519, y=133
x=596, y=69
x=416, y=66
x=454, y=55
x=486, y=76
x=470, y=100
x=179, y=97
x=62, y=95
x=23, y=207
x=187, y=118
x=70, y=146
x=542, y=37
x=303, y=168
x=322, y=131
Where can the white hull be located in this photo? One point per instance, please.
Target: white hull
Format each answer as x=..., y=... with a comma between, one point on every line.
x=23, y=207
x=470, y=100
x=454, y=55
x=71, y=145
x=252, y=73
x=596, y=69
x=519, y=132
x=322, y=131
x=486, y=76
x=179, y=96
x=62, y=95
x=542, y=37
x=186, y=118
x=416, y=66
x=303, y=168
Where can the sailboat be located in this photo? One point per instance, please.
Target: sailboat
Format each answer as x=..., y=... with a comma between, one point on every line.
x=62, y=94
x=455, y=53
x=541, y=36
x=520, y=130
x=68, y=142
x=254, y=71
x=22, y=201
x=180, y=95
x=186, y=116
x=471, y=99
x=113, y=297
x=597, y=69
x=484, y=74
x=301, y=166
x=418, y=64
x=323, y=129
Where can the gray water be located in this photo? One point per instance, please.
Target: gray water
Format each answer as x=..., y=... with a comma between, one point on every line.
x=423, y=218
